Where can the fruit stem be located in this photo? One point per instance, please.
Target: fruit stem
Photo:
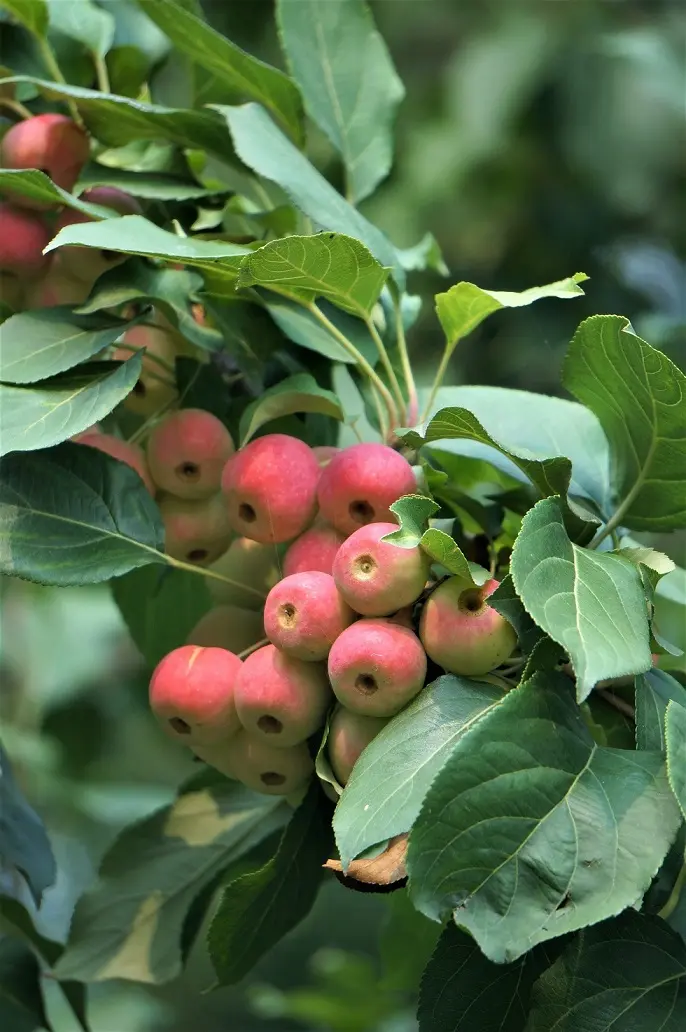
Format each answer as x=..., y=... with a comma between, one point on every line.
x=386, y=363
x=413, y=404
x=103, y=76
x=438, y=380
x=167, y=366
x=203, y=571
x=16, y=106
x=54, y=69
x=253, y=648
x=141, y=431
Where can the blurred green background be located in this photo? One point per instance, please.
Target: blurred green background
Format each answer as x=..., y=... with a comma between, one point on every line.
x=537, y=139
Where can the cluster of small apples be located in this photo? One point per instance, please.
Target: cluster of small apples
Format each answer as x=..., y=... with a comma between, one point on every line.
x=350, y=626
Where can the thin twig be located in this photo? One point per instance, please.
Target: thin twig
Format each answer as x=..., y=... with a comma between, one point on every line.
x=253, y=648
x=102, y=73
x=619, y=704
x=56, y=72
x=390, y=372
x=17, y=107
x=203, y=571
x=413, y=404
x=438, y=380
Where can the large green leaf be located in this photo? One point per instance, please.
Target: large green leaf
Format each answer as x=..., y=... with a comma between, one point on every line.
x=21, y=1001
x=33, y=14
x=625, y=975
x=303, y=328
x=24, y=844
x=35, y=345
x=39, y=416
x=330, y=265
x=675, y=740
x=84, y=22
x=391, y=778
x=531, y=830
x=299, y=393
x=154, y=186
x=259, y=908
x=264, y=148
x=230, y=65
x=413, y=513
x=639, y=397
x=73, y=515
x=591, y=603
x=37, y=186
x=130, y=925
x=654, y=691
x=349, y=85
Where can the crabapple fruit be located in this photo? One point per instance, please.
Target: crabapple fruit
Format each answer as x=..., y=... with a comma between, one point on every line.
x=195, y=530
x=192, y=694
x=258, y=765
x=52, y=143
x=250, y=564
x=376, y=577
x=227, y=627
x=461, y=632
x=88, y=263
x=304, y=614
x=156, y=386
x=349, y=735
x=376, y=667
x=56, y=287
x=314, y=550
x=360, y=483
x=187, y=452
x=280, y=699
x=22, y=239
x=126, y=452
x=271, y=487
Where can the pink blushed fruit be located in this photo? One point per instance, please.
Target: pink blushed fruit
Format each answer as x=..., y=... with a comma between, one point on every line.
x=187, y=452
x=22, y=239
x=88, y=263
x=192, y=694
x=304, y=614
x=376, y=577
x=461, y=632
x=131, y=454
x=270, y=488
x=314, y=550
x=376, y=667
x=258, y=765
x=156, y=386
x=360, y=483
x=279, y=699
x=195, y=531
x=52, y=143
x=227, y=627
x=349, y=735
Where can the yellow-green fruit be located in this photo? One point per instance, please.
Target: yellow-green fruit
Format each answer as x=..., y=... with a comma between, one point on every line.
x=227, y=627
x=156, y=386
x=349, y=735
x=248, y=563
x=258, y=765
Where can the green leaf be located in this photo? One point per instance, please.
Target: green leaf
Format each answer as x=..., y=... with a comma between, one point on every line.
x=507, y=602
x=300, y=326
x=33, y=14
x=56, y=409
x=639, y=397
x=85, y=22
x=413, y=512
x=230, y=65
x=406, y=941
x=299, y=393
x=154, y=186
x=590, y=603
x=73, y=515
x=37, y=186
x=130, y=925
x=35, y=345
x=391, y=778
x=675, y=739
x=424, y=255
x=21, y=1001
x=349, y=85
x=670, y=607
x=531, y=830
x=262, y=146
x=160, y=607
x=330, y=265
x=259, y=908
x=654, y=691
x=24, y=844
x=625, y=975
x=461, y=989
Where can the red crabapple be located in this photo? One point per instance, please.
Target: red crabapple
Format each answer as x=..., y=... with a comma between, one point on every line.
x=304, y=614
x=259, y=765
x=461, y=632
x=131, y=454
x=360, y=483
x=192, y=694
x=227, y=627
x=349, y=735
x=195, y=531
x=270, y=488
x=187, y=452
x=314, y=550
x=249, y=563
x=88, y=263
x=376, y=577
x=22, y=239
x=376, y=667
x=52, y=143
x=280, y=699
x=156, y=385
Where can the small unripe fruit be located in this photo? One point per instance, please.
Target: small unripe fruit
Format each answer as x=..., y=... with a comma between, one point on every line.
x=195, y=531
x=376, y=577
x=304, y=614
x=131, y=454
x=56, y=287
x=461, y=632
x=376, y=667
x=270, y=488
x=88, y=263
x=156, y=386
x=192, y=694
x=187, y=452
x=22, y=239
x=314, y=550
x=52, y=143
x=349, y=735
x=280, y=699
x=258, y=765
x=360, y=483
x=227, y=627
x=246, y=563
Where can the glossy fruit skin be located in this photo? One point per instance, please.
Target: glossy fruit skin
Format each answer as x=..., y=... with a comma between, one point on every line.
x=304, y=614
x=258, y=765
x=89, y=263
x=270, y=487
x=376, y=577
x=53, y=143
x=279, y=699
x=131, y=454
x=227, y=627
x=156, y=385
x=192, y=694
x=461, y=632
x=315, y=549
x=246, y=563
x=195, y=531
x=349, y=735
x=359, y=484
x=22, y=239
x=187, y=452
x=376, y=667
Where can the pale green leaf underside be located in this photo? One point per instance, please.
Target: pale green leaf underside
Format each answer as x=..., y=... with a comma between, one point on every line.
x=675, y=736
x=299, y=393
